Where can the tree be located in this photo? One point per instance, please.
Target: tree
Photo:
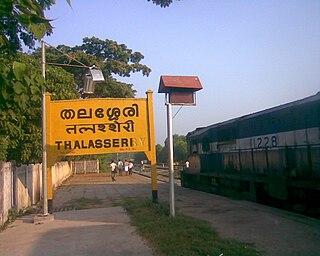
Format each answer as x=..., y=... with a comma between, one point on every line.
x=23, y=21
x=20, y=105
x=180, y=152
x=21, y=85
x=111, y=57
x=20, y=92
x=162, y=156
x=162, y=3
x=117, y=59
x=138, y=157
x=180, y=148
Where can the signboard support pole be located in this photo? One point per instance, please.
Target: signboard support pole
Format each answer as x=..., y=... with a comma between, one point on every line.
x=44, y=158
x=152, y=147
x=50, y=187
x=51, y=158
x=44, y=135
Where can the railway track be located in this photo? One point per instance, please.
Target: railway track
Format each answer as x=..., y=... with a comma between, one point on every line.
x=162, y=174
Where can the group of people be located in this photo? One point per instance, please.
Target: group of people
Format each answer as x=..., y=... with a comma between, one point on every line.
x=127, y=168
x=120, y=167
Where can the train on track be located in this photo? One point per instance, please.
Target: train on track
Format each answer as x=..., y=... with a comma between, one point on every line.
x=268, y=156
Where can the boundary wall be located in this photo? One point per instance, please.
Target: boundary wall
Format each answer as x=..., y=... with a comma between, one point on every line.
x=85, y=166
x=21, y=187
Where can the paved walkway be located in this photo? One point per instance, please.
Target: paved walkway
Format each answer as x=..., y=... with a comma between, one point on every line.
x=105, y=230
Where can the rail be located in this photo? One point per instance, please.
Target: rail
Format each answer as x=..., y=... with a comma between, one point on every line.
x=162, y=173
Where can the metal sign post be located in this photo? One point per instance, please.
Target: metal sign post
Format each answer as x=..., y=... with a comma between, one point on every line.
x=170, y=159
x=179, y=90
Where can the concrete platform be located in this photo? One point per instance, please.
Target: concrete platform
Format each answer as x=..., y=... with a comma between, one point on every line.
x=100, y=231
x=106, y=230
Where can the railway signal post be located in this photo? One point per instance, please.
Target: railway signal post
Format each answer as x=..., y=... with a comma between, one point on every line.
x=179, y=90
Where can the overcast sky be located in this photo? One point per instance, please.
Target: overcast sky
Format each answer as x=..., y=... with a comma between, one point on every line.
x=249, y=55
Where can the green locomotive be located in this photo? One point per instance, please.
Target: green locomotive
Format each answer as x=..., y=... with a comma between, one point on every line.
x=268, y=156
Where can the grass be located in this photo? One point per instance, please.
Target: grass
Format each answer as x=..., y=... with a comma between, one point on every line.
x=180, y=235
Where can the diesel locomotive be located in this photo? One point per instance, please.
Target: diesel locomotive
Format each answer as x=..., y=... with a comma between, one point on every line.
x=268, y=156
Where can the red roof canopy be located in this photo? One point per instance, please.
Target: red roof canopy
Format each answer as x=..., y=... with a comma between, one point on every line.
x=179, y=83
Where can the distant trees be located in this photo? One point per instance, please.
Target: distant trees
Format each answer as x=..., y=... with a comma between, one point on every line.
x=180, y=152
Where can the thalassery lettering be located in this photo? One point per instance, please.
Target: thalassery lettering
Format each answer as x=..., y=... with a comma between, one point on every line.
x=99, y=143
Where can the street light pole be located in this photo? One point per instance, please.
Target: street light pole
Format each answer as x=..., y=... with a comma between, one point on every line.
x=170, y=158
x=95, y=75
x=44, y=141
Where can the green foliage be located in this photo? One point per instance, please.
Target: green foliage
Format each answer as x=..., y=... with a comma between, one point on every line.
x=4, y=143
x=138, y=157
x=112, y=88
x=180, y=152
x=61, y=84
x=162, y=155
x=111, y=57
x=118, y=58
x=180, y=235
x=12, y=215
x=20, y=99
x=22, y=21
x=21, y=85
x=180, y=148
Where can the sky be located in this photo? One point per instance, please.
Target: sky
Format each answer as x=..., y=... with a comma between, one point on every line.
x=249, y=55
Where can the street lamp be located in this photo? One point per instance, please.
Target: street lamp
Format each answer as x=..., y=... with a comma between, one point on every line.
x=94, y=75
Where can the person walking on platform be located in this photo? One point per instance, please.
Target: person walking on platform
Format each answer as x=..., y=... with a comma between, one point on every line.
x=113, y=166
x=126, y=166
x=120, y=167
x=187, y=165
x=130, y=166
x=141, y=166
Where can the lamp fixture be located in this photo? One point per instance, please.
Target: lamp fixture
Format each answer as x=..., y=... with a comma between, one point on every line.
x=95, y=75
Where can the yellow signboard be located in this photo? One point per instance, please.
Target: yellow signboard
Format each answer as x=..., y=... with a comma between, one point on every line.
x=97, y=126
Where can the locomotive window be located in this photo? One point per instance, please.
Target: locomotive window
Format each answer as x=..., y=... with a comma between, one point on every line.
x=205, y=144
x=226, y=134
x=194, y=148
